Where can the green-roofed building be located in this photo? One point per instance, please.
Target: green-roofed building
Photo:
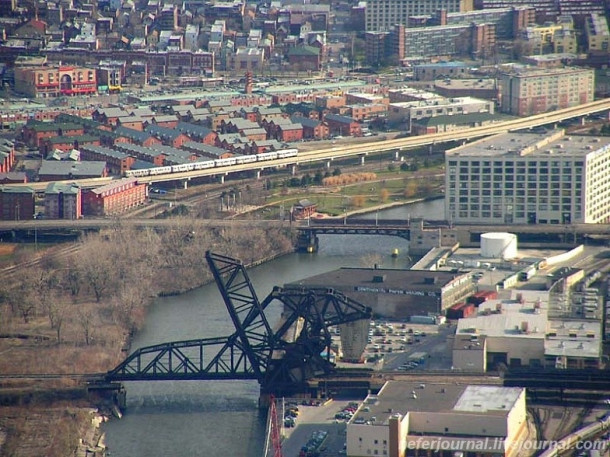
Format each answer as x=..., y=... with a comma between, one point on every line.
x=67, y=143
x=35, y=132
x=304, y=58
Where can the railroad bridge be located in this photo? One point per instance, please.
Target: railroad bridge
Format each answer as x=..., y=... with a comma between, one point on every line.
x=282, y=357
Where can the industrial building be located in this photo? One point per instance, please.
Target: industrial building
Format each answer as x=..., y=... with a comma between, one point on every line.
x=519, y=332
x=529, y=178
x=394, y=293
x=445, y=420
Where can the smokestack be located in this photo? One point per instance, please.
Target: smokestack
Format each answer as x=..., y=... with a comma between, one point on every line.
x=249, y=84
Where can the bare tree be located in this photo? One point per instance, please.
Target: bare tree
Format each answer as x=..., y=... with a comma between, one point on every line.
x=85, y=319
x=96, y=267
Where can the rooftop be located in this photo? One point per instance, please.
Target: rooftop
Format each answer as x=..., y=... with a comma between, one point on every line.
x=405, y=397
x=378, y=280
x=520, y=144
x=55, y=188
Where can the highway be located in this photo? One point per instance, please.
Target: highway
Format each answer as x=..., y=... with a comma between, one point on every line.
x=342, y=151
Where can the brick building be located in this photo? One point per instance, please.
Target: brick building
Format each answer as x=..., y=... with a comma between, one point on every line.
x=530, y=90
x=114, y=198
x=312, y=128
x=7, y=156
x=117, y=162
x=53, y=170
x=34, y=132
x=67, y=143
x=55, y=81
x=305, y=58
x=343, y=125
x=63, y=201
x=170, y=137
x=16, y=203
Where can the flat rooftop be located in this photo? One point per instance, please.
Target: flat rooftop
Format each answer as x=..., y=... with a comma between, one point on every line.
x=459, y=84
x=506, y=318
x=378, y=280
x=521, y=145
x=406, y=396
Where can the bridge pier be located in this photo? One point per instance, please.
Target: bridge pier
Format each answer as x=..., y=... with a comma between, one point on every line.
x=221, y=179
x=109, y=392
x=328, y=162
x=362, y=159
x=185, y=184
x=397, y=154
x=307, y=242
x=293, y=170
x=258, y=174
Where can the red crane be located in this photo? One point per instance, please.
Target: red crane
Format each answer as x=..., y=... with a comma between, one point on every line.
x=276, y=439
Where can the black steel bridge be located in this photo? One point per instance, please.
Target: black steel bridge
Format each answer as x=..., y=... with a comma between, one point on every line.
x=282, y=357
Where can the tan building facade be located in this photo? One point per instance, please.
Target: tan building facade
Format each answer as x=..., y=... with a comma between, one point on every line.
x=55, y=81
x=526, y=91
x=412, y=419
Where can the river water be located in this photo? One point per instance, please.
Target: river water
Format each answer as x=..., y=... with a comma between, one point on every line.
x=221, y=418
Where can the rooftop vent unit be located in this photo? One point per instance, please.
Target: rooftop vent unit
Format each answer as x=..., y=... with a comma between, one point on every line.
x=379, y=278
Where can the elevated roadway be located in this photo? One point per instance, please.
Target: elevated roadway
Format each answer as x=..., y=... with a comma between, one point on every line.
x=340, y=227
x=361, y=150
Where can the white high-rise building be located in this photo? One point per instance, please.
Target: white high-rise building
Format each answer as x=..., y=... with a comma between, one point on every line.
x=529, y=178
x=382, y=15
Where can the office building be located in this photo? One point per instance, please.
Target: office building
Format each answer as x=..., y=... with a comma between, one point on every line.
x=382, y=15
x=529, y=178
x=525, y=91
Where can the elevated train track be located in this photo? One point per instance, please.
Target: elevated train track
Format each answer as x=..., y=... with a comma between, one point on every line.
x=345, y=151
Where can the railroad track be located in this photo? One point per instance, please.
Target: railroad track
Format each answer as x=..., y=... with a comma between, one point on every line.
x=56, y=252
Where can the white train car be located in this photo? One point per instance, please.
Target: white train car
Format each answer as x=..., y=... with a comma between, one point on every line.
x=245, y=159
x=266, y=156
x=137, y=173
x=183, y=167
x=204, y=165
x=225, y=162
x=159, y=171
x=285, y=153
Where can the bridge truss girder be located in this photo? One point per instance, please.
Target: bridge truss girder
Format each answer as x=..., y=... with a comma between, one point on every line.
x=303, y=336
x=186, y=360
x=281, y=360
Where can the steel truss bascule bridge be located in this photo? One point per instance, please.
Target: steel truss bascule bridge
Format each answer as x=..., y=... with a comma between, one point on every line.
x=281, y=357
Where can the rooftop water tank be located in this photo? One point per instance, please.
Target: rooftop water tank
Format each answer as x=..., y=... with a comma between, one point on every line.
x=499, y=245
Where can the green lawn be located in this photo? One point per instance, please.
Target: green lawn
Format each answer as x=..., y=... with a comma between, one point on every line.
x=387, y=188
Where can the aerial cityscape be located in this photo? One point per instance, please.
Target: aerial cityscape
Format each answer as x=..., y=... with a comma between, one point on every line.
x=304, y=228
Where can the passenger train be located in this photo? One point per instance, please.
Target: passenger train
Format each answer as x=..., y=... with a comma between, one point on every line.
x=237, y=160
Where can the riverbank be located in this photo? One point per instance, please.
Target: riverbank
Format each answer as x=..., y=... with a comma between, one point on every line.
x=78, y=315
x=383, y=206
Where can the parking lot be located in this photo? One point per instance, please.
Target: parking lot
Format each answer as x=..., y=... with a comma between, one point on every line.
x=400, y=346
x=310, y=422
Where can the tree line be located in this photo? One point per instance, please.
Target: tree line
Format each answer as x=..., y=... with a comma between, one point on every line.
x=81, y=309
